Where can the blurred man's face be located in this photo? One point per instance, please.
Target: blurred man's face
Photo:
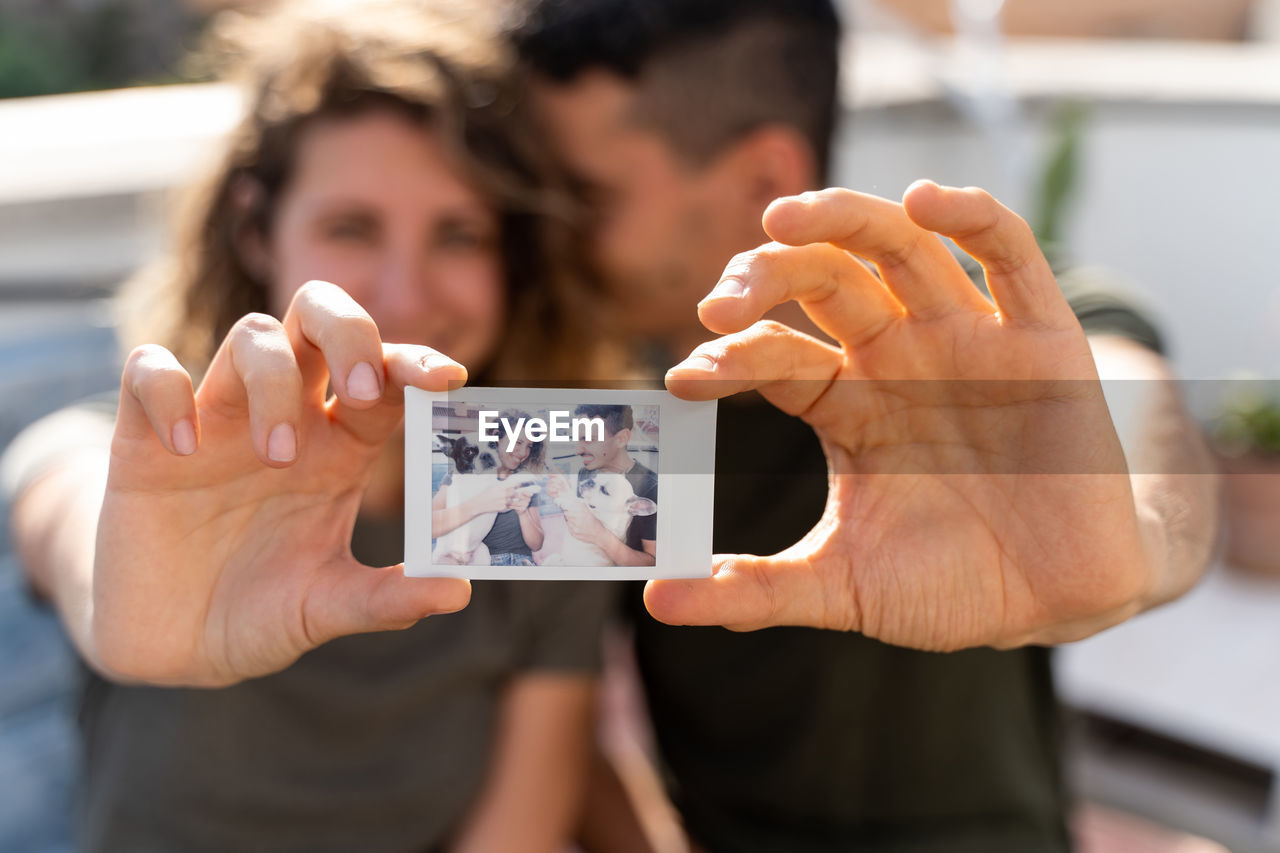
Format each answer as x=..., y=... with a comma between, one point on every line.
x=662, y=233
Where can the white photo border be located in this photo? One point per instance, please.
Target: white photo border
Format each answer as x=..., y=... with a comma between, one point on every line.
x=686, y=483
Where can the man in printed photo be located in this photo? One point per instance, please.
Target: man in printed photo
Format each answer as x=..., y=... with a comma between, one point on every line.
x=638, y=545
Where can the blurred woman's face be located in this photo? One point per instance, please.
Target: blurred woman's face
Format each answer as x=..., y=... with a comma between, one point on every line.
x=375, y=206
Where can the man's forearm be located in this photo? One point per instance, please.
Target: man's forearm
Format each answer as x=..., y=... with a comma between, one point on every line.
x=1175, y=484
x=54, y=523
x=623, y=555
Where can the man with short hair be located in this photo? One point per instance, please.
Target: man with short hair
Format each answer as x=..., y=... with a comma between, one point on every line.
x=688, y=118
x=638, y=547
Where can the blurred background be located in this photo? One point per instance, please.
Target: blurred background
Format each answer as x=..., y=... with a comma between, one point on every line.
x=1141, y=136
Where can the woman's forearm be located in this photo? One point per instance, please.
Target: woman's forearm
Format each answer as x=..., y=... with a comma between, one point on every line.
x=531, y=528
x=54, y=523
x=532, y=798
x=451, y=518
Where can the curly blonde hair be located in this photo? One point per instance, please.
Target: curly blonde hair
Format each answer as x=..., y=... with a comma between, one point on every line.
x=440, y=64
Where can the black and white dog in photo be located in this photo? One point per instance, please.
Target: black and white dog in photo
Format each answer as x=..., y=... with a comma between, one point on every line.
x=471, y=471
x=613, y=501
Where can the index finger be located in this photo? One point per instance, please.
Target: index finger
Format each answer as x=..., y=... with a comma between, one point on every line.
x=838, y=293
x=913, y=262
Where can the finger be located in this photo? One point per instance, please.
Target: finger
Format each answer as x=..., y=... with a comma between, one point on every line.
x=156, y=399
x=361, y=599
x=744, y=593
x=1018, y=276
x=841, y=295
x=913, y=262
x=405, y=365
x=791, y=369
x=255, y=371
x=337, y=345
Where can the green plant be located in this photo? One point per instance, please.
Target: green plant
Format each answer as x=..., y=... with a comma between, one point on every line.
x=1060, y=172
x=1250, y=423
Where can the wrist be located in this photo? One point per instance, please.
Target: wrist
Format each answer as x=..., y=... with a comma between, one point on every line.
x=1178, y=539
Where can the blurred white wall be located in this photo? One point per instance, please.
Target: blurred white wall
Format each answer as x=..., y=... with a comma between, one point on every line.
x=1179, y=180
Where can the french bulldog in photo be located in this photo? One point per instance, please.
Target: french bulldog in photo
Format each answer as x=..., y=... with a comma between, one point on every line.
x=610, y=497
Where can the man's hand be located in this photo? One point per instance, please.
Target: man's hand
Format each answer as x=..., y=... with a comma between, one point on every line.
x=978, y=493
x=223, y=541
x=583, y=525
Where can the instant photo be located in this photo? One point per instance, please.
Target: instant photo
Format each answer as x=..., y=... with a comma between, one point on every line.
x=553, y=484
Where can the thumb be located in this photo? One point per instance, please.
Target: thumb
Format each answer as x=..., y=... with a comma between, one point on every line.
x=744, y=593
x=362, y=599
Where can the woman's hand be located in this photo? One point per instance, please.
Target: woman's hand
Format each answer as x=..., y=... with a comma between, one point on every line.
x=223, y=543
x=512, y=493
x=496, y=498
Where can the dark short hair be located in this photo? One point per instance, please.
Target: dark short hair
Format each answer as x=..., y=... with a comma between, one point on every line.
x=615, y=417
x=710, y=71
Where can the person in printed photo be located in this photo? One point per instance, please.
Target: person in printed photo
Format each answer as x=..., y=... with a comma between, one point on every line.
x=637, y=545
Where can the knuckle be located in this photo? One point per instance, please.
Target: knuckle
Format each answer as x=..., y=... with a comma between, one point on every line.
x=317, y=290
x=980, y=194
x=149, y=367
x=273, y=381
x=773, y=329
x=255, y=325
x=897, y=254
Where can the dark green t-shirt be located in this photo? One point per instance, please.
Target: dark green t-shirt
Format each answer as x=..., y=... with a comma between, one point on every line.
x=794, y=740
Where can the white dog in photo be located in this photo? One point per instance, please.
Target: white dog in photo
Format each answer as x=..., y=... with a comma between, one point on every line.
x=611, y=499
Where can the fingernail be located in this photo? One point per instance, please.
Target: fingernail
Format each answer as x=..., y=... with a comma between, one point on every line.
x=728, y=288
x=362, y=382
x=697, y=364
x=184, y=437
x=282, y=444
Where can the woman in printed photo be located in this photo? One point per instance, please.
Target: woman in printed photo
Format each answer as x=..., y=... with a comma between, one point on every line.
x=515, y=532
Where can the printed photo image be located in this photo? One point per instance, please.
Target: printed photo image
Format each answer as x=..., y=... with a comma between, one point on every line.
x=552, y=483
x=530, y=486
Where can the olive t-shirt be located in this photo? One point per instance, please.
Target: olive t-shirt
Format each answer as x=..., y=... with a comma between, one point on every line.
x=795, y=740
